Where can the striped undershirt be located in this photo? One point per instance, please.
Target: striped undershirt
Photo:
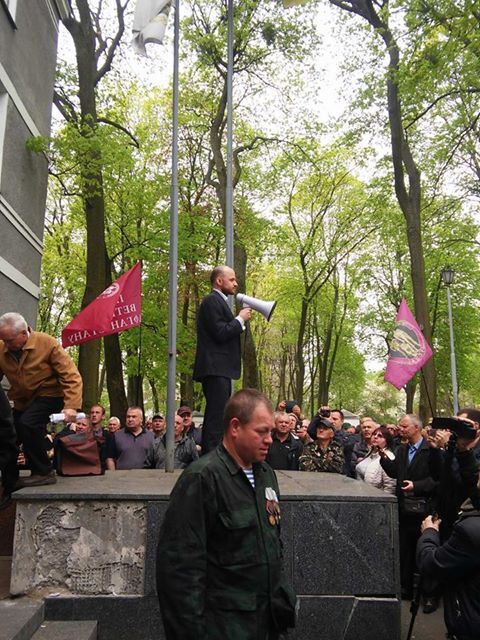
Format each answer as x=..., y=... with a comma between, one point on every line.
x=250, y=476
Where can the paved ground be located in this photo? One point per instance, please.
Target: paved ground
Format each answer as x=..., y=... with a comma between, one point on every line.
x=5, y=563
x=427, y=627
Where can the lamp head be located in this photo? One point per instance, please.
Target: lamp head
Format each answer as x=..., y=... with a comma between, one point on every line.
x=447, y=276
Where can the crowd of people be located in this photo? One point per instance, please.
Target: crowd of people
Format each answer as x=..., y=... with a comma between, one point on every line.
x=432, y=472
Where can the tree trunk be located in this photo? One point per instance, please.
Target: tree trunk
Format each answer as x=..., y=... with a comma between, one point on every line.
x=98, y=275
x=299, y=355
x=410, y=395
x=115, y=385
x=407, y=186
x=186, y=380
x=153, y=387
x=410, y=203
x=114, y=364
x=101, y=383
x=135, y=391
x=250, y=369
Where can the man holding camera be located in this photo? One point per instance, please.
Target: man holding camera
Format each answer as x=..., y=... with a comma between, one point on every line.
x=456, y=562
x=43, y=380
x=217, y=360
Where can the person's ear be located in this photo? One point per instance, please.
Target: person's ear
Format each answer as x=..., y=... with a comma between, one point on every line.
x=235, y=425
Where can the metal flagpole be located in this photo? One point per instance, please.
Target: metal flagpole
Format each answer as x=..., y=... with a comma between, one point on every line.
x=453, y=364
x=173, y=266
x=229, y=194
x=139, y=366
x=229, y=260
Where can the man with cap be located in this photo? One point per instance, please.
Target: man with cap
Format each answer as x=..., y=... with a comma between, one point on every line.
x=324, y=453
x=189, y=428
x=158, y=425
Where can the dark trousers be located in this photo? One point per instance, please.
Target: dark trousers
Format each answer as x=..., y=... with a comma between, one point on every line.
x=217, y=390
x=31, y=430
x=8, y=445
x=409, y=532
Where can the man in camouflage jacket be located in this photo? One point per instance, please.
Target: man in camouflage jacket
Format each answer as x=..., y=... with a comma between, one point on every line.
x=219, y=563
x=324, y=453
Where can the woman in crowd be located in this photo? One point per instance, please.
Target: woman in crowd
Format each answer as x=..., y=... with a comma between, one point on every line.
x=369, y=469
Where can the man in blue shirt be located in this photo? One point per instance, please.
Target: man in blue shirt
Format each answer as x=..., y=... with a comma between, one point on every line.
x=415, y=492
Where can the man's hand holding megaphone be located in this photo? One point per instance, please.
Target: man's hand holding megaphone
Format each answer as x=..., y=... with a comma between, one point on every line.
x=245, y=313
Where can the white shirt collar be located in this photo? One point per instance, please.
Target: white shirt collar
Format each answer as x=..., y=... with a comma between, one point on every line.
x=220, y=293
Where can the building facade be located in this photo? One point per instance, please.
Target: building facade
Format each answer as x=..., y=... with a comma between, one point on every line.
x=28, y=49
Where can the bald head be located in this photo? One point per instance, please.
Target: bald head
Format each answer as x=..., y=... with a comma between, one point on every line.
x=223, y=279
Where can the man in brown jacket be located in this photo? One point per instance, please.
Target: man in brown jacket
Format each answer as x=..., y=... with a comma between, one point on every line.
x=43, y=380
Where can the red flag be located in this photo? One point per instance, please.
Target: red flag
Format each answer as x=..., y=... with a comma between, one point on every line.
x=408, y=350
x=118, y=308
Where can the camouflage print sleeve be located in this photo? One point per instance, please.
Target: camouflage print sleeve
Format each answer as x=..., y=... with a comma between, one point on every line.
x=307, y=462
x=336, y=461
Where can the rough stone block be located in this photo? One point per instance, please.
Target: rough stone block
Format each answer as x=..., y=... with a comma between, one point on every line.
x=79, y=547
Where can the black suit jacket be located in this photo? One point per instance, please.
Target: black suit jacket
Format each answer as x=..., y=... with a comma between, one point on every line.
x=218, y=340
x=418, y=470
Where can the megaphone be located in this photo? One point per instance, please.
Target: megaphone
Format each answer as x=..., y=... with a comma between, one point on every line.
x=263, y=306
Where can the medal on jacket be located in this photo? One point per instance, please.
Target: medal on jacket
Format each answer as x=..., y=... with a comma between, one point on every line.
x=272, y=506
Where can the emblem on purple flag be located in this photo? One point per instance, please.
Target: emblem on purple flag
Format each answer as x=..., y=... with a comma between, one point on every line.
x=408, y=349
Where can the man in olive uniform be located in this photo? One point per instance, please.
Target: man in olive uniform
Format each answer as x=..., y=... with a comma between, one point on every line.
x=219, y=563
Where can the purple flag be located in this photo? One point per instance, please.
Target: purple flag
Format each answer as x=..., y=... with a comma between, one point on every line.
x=408, y=350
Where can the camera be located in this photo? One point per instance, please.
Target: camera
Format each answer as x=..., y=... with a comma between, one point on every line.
x=461, y=428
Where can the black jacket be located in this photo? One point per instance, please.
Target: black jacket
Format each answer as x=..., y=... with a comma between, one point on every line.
x=218, y=340
x=457, y=473
x=418, y=471
x=285, y=455
x=457, y=565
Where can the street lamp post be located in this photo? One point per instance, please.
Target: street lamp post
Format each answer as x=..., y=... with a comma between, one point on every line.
x=447, y=279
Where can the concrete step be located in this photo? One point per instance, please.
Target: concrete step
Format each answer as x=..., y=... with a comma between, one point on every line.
x=66, y=630
x=19, y=618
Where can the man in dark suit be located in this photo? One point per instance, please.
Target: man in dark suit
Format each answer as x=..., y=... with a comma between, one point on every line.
x=415, y=492
x=217, y=360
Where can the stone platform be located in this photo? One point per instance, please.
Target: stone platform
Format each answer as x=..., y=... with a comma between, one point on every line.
x=88, y=546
